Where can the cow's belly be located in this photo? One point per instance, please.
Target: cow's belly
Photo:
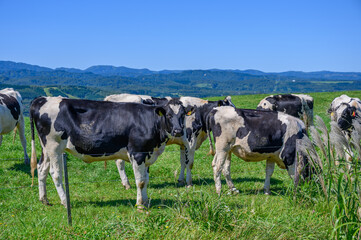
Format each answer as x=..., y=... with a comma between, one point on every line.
x=92, y=157
x=7, y=124
x=257, y=157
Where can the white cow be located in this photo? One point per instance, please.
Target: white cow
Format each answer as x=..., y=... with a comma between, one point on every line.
x=11, y=116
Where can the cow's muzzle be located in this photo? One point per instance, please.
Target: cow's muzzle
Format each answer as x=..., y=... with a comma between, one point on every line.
x=344, y=123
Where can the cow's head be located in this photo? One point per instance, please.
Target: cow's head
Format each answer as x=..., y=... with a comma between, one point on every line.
x=226, y=102
x=347, y=115
x=173, y=113
x=343, y=114
x=267, y=104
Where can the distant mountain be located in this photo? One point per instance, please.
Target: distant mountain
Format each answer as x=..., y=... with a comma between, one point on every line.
x=10, y=66
x=71, y=70
x=98, y=81
x=107, y=70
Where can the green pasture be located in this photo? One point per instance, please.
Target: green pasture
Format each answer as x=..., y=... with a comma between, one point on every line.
x=103, y=209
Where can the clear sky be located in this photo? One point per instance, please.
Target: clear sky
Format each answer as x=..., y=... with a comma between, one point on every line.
x=267, y=35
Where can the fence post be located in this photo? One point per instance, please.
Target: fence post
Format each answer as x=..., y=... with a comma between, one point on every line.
x=67, y=188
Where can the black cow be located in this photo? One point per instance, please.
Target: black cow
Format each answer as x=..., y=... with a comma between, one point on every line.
x=98, y=131
x=255, y=135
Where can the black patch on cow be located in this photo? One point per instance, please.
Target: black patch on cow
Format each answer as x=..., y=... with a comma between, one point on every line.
x=265, y=130
x=12, y=104
x=289, y=151
x=289, y=104
x=43, y=123
x=309, y=104
x=189, y=134
x=160, y=101
x=186, y=155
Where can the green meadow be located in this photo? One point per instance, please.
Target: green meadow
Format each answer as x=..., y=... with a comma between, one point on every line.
x=103, y=209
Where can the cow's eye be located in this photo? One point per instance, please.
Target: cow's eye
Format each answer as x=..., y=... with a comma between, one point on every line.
x=264, y=104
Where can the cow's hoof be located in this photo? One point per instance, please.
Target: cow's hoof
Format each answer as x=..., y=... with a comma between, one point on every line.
x=189, y=185
x=27, y=161
x=64, y=204
x=127, y=186
x=267, y=192
x=234, y=191
x=181, y=183
x=45, y=202
x=142, y=209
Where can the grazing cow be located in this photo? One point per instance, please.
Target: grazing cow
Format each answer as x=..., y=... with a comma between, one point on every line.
x=11, y=116
x=254, y=135
x=297, y=105
x=344, y=110
x=194, y=136
x=98, y=131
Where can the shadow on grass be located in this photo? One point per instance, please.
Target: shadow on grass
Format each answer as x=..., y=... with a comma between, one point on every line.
x=209, y=181
x=122, y=202
x=236, y=180
x=21, y=167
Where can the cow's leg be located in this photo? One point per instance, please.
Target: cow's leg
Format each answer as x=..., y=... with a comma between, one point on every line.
x=227, y=174
x=43, y=171
x=181, y=180
x=189, y=164
x=1, y=139
x=54, y=152
x=141, y=180
x=123, y=176
x=218, y=164
x=270, y=167
x=187, y=159
x=21, y=128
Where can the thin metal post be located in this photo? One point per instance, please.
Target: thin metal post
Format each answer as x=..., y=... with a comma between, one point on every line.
x=67, y=189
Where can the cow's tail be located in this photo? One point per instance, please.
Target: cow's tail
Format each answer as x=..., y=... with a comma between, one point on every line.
x=15, y=130
x=33, y=161
x=208, y=129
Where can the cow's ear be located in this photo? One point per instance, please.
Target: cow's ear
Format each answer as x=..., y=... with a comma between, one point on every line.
x=329, y=111
x=189, y=110
x=353, y=112
x=220, y=103
x=160, y=111
x=148, y=102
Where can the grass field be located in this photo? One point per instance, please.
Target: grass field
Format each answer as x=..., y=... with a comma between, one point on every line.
x=102, y=208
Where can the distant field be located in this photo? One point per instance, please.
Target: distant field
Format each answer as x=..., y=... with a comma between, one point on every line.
x=102, y=208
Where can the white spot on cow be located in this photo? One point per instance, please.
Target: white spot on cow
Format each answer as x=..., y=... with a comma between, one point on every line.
x=175, y=108
x=265, y=104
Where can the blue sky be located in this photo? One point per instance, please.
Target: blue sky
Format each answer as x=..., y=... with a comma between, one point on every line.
x=268, y=35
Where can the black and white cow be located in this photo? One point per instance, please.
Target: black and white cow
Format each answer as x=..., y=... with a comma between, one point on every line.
x=11, y=116
x=98, y=131
x=297, y=105
x=194, y=127
x=344, y=110
x=254, y=135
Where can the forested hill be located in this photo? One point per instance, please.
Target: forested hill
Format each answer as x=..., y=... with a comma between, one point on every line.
x=97, y=81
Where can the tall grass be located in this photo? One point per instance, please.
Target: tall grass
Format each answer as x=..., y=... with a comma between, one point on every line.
x=336, y=182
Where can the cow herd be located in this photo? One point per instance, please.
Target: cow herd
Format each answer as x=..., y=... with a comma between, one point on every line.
x=137, y=128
